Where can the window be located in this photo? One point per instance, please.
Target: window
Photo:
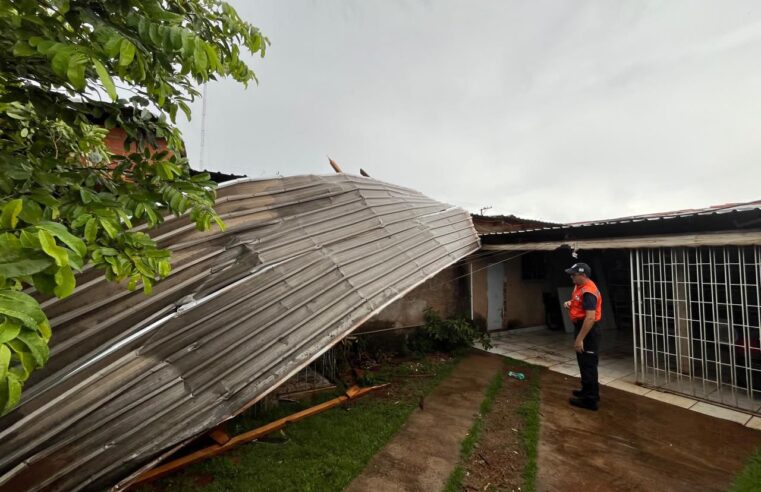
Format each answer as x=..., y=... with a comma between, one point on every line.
x=533, y=266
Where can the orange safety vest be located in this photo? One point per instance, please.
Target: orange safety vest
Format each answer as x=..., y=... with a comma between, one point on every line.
x=577, y=311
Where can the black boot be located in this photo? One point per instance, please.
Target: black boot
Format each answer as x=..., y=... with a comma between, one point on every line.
x=586, y=403
x=582, y=394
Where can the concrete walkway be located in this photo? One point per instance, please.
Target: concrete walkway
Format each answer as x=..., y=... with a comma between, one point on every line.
x=554, y=350
x=422, y=455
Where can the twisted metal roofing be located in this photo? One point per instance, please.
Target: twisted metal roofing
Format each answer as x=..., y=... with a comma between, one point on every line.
x=304, y=260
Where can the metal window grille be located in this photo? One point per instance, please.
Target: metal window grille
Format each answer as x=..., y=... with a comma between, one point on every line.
x=696, y=322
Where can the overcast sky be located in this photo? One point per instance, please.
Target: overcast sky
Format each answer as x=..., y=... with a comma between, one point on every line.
x=555, y=110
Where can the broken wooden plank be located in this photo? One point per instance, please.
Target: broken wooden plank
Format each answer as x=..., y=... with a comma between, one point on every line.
x=219, y=448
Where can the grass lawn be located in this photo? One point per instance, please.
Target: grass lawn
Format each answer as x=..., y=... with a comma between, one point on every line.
x=749, y=480
x=323, y=452
x=530, y=435
x=500, y=449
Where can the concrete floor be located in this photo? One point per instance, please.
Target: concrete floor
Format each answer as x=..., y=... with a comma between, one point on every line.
x=554, y=350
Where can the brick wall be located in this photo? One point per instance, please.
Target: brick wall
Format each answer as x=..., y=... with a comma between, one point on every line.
x=115, y=142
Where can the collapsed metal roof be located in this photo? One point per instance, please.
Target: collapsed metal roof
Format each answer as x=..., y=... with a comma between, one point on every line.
x=304, y=260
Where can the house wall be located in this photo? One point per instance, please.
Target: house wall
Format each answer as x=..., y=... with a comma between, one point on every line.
x=446, y=293
x=479, y=291
x=523, y=298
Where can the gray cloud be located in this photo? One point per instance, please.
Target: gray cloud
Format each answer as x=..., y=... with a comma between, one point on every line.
x=553, y=110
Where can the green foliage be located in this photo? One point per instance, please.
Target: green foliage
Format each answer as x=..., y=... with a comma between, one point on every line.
x=529, y=412
x=749, y=479
x=322, y=453
x=65, y=200
x=446, y=334
x=468, y=444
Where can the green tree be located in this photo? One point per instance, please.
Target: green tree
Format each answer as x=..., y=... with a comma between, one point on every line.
x=65, y=202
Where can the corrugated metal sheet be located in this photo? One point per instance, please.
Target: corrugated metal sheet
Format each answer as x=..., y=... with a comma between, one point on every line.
x=713, y=210
x=303, y=262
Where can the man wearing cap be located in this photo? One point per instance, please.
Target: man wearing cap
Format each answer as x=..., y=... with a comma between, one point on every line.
x=585, y=309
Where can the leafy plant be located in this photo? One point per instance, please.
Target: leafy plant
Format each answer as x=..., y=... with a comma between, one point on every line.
x=447, y=334
x=71, y=70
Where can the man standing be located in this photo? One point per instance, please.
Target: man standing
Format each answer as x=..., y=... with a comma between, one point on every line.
x=585, y=309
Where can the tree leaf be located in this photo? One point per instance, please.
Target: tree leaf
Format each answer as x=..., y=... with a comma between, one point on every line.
x=23, y=265
x=147, y=285
x=176, y=36
x=45, y=330
x=175, y=201
x=9, y=245
x=105, y=79
x=75, y=70
x=143, y=268
x=212, y=55
x=25, y=303
x=60, y=60
x=61, y=232
x=30, y=240
x=21, y=48
x=91, y=230
x=133, y=280
x=65, y=283
x=220, y=222
x=28, y=364
x=76, y=262
x=44, y=197
x=185, y=109
x=153, y=34
x=9, y=216
x=111, y=47
x=165, y=268
x=13, y=394
x=31, y=212
x=109, y=227
x=124, y=218
x=36, y=345
x=49, y=246
x=199, y=57
x=80, y=221
x=44, y=282
x=5, y=361
x=188, y=43
x=142, y=29
x=126, y=53
x=8, y=331
x=9, y=309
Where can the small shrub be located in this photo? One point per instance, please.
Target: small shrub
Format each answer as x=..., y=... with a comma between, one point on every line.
x=446, y=334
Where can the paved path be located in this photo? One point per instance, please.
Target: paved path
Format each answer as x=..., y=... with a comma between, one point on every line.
x=422, y=455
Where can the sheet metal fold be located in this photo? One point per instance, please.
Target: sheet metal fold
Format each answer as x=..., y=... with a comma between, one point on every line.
x=304, y=260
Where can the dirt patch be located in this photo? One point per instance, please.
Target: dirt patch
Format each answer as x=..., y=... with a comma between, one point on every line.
x=422, y=455
x=634, y=443
x=499, y=457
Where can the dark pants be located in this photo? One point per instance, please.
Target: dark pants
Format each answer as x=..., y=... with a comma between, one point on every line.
x=588, y=360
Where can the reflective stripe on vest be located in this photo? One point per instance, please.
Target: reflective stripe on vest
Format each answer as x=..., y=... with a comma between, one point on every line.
x=577, y=311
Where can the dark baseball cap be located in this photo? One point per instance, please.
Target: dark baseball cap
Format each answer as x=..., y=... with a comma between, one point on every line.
x=579, y=268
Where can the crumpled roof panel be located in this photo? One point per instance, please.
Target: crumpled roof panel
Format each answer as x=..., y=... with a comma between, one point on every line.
x=303, y=261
